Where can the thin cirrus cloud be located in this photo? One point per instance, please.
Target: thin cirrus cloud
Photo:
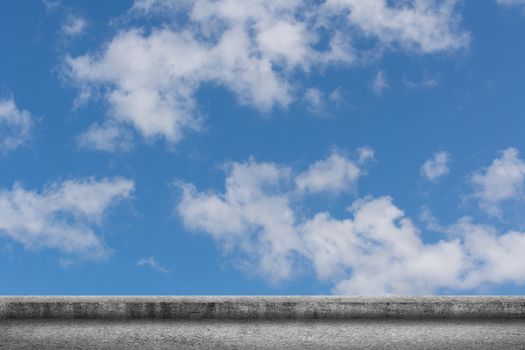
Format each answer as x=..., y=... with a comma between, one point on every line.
x=380, y=83
x=375, y=250
x=105, y=137
x=424, y=83
x=63, y=216
x=511, y=2
x=74, y=26
x=51, y=5
x=315, y=101
x=153, y=264
x=436, y=167
x=15, y=125
x=149, y=77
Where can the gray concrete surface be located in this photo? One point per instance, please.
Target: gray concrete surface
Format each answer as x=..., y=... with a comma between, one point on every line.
x=262, y=308
x=262, y=323
x=217, y=334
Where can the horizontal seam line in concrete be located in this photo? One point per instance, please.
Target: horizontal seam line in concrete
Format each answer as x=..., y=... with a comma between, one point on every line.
x=260, y=308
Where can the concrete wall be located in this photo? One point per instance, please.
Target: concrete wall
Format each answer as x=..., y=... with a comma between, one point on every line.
x=262, y=308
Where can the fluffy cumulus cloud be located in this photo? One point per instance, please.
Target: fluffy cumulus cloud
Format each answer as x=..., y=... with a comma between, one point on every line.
x=334, y=174
x=254, y=49
x=379, y=251
x=375, y=249
x=15, y=126
x=254, y=213
x=492, y=257
x=436, y=167
x=502, y=181
x=63, y=216
x=421, y=25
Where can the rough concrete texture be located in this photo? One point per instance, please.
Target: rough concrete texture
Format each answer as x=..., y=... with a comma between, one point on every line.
x=219, y=334
x=262, y=308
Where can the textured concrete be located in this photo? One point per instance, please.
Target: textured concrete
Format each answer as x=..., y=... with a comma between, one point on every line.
x=262, y=323
x=262, y=308
x=216, y=334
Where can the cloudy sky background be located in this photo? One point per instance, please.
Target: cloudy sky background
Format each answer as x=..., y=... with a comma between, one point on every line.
x=262, y=147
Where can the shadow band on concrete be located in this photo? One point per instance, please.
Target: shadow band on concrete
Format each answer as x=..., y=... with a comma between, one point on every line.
x=262, y=308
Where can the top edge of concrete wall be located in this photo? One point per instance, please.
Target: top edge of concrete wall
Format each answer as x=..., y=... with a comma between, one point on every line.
x=261, y=307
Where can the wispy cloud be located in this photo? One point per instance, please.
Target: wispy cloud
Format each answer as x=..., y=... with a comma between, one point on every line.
x=105, y=137
x=435, y=168
x=511, y=2
x=74, y=26
x=315, y=101
x=51, y=5
x=424, y=83
x=153, y=264
x=63, y=216
x=380, y=83
x=500, y=182
x=15, y=125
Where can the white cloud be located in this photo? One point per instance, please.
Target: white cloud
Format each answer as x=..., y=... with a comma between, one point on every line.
x=150, y=79
x=63, y=216
x=334, y=174
x=15, y=126
x=149, y=6
x=379, y=83
x=253, y=214
x=314, y=99
x=424, y=83
x=365, y=154
x=421, y=25
x=399, y=262
x=381, y=250
x=336, y=97
x=375, y=250
x=436, y=167
x=491, y=257
x=511, y=2
x=254, y=49
x=51, y=5
x=106, y=137
x=74, y=26
x=501, y=181
x=152, y=263
x=320, y=103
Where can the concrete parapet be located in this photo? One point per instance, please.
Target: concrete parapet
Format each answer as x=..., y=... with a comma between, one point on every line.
x=261, y=308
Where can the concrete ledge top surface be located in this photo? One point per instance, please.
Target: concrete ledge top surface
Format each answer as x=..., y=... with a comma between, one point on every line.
x=261, y=307
x=259, y=298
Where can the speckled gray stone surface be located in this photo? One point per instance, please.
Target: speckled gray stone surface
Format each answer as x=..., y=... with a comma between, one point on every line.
x=262, y=308
x=217, y=334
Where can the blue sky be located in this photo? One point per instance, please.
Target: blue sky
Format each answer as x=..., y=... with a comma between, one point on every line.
x=260, y=147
